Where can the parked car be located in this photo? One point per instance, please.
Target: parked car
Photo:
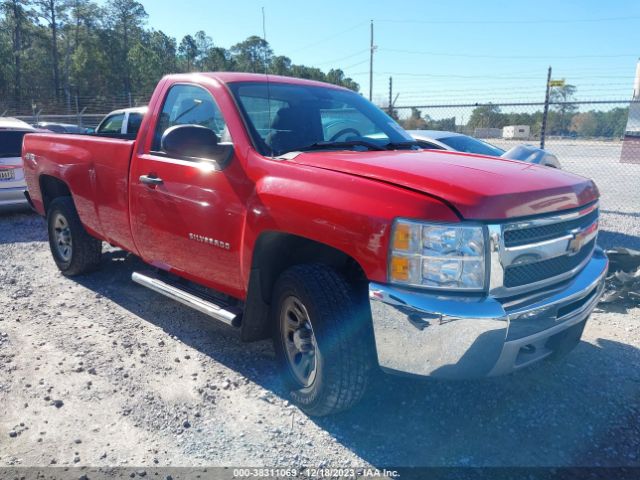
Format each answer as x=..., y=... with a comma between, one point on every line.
x=61, y=127
x=12, y=183
x=353, y=249
x=122, y=122
x=442, y=140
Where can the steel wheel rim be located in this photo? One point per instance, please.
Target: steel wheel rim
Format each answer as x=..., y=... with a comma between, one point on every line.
x=299, y=341
x=62, y=237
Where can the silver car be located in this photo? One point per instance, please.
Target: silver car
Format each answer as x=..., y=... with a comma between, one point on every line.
x=12, y=183
x=441, y=140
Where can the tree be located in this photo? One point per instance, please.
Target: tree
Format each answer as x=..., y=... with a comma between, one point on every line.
x=188, y=50
x=78, y=32
x=311, y=73
x=337, y=77
x=128, y=17
x=486, y=116
x=17, y=14
x=152, y=58
x=218, y=59
x=204, y=43
x=101, y=54
x=448, y=124
x=614, y=122
x=560, y=96
x=53, y=12
x=252, y=55
x=415, y=121
x=280, y=65
x=585, y=124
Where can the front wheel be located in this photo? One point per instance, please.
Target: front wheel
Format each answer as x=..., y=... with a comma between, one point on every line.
x=322, y=338
x=73, y=249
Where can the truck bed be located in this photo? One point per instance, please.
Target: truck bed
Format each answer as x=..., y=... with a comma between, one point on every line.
x=96, y=168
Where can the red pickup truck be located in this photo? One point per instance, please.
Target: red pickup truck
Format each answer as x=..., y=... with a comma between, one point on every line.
x=298, y=210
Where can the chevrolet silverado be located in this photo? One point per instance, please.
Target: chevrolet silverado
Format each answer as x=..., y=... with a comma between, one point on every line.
x=297, y=210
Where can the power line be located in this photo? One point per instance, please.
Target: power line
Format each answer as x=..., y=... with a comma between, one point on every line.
x=527, y=22
x=359, y=52
x=356, y=64
x=330, y=37
x=476, y=55
x=431, y=90
x=493, y=77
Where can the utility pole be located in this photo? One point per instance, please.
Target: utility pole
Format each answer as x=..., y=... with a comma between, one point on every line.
x=545, y=114
x=371, y=47
x=391, y=97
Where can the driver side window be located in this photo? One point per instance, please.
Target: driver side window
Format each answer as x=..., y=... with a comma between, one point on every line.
x=190, y=105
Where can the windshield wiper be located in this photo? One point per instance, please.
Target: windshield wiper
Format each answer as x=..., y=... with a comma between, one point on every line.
x=398, y=145
x=345, y=144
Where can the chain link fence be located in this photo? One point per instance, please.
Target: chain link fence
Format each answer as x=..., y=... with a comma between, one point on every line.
x=596, y=139
x=84, y=111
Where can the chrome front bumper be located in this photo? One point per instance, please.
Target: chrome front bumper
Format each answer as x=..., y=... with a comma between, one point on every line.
x=450, y=336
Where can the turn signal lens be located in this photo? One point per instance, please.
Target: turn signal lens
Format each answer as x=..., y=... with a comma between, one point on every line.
x=400, y=269
x=402, y=237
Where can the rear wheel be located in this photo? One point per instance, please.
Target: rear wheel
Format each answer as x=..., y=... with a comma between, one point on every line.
x=322, y=338
x=73, y=249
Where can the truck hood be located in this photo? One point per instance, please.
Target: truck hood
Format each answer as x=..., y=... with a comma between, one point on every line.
x=478, y=187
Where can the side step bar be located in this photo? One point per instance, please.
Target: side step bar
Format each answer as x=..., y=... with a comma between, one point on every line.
x=229, y=315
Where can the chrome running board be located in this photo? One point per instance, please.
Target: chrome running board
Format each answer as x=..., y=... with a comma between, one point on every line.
x=189, y=297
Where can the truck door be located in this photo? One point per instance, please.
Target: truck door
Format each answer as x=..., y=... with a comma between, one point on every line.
x=186, y=214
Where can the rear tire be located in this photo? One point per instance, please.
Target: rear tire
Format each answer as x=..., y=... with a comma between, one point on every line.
x=332, y=323
x=74, y=250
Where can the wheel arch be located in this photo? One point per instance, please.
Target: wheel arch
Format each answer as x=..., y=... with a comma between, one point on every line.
x=51, y=188
x=273, y=253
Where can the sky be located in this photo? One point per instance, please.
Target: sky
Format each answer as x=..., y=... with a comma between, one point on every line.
x=436, y=51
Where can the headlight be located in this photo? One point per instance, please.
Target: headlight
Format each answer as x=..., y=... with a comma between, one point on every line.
x=440, y=256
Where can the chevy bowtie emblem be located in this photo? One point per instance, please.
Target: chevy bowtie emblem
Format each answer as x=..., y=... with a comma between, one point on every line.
x=580, y=238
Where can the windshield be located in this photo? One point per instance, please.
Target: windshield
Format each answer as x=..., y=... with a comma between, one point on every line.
x=285, y=117
x=462, y=143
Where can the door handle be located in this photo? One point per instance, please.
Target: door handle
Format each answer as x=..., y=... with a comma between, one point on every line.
x=150, y=180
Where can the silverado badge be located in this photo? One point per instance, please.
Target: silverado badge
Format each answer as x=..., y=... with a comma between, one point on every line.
x=210, y=241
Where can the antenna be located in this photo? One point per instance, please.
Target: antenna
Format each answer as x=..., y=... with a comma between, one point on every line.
x=266, y=73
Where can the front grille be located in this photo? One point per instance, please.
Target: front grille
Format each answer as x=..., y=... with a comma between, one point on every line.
x=518, y=275
x=524, y=236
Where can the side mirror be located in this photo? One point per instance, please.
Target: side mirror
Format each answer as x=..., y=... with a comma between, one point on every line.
x=195, y=142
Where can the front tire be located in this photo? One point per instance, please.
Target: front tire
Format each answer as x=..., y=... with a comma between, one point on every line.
x=323, y=339
x=74, y=250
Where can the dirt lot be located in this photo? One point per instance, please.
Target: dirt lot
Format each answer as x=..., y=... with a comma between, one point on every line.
x=99, y=371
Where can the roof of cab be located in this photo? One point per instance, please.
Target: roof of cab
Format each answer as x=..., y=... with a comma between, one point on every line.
x=234, y=77
x=142, y=110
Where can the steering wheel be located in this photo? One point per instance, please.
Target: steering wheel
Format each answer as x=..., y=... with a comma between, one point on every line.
x=344, y=131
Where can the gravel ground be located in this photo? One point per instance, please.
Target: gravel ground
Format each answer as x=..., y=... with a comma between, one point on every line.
x=99, y=371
